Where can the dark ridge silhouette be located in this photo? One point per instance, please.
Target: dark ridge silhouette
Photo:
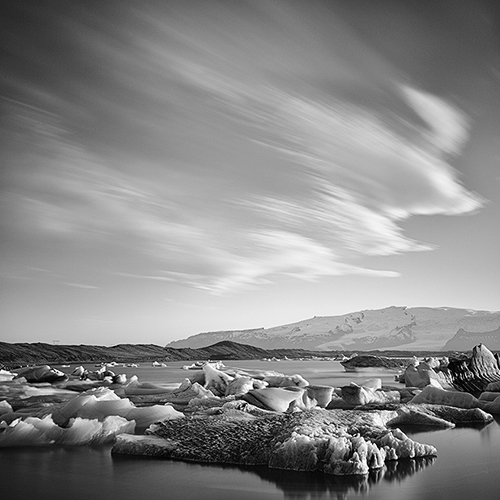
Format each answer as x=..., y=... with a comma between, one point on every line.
x=14, y=355
x=20, y=354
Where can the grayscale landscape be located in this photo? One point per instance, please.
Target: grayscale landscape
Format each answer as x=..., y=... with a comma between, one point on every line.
x=250, y=249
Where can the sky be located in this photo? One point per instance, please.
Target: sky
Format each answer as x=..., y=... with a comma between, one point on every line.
x=176, y=167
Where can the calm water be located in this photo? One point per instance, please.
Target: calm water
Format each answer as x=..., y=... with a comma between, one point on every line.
x=467, y=466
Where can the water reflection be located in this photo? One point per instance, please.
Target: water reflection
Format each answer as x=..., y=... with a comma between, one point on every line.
x=486, y=434
x=298, y=485
x=87, y=473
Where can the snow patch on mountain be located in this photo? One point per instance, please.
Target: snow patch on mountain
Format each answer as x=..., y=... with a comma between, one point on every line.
x=395, y=327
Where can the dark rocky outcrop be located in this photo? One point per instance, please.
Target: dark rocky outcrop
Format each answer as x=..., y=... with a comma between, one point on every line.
x=22, y=354
x=14, y=355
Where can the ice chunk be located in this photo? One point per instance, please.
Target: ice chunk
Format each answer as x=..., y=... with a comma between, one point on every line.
x=35, y=431
x=147, y=415
x=216, y=380
x=134, y=387
x=42, y=373
x=240, y=385
x=321, y=393
x=5, y=407
x=102, y=402
x=6, y=375
x=273, y=398
x=435, y=395
x=286, y=381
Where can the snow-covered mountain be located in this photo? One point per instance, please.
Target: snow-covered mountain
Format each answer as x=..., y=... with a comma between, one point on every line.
x=462, y=340
x=415, y=328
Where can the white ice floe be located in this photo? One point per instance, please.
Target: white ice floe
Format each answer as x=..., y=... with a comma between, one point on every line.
x=34, y=431
x=216, y=380
x=91, y=417
x=102, y=402
x=6, y=375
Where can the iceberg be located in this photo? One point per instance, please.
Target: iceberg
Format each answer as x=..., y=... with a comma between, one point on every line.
x=42, y=373
x=216, y=380
x=273, y=398
x=339, y=442
x=34, y=431
x=102, y=402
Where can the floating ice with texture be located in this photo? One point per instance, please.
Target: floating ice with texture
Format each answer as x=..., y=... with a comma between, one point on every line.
x=34, y=431
x=332, y=441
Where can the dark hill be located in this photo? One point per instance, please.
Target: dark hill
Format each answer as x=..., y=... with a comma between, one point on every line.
x=21, y=354
x=14, y=355
x=40, y=353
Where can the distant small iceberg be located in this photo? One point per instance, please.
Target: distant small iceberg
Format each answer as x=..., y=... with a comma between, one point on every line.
x=198, y=365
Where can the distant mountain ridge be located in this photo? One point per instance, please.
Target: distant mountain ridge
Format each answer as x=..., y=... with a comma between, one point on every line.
x=391, y=328
x=21, y=354
x=463, y=338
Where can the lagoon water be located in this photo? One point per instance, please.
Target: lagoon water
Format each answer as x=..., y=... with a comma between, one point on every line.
x=467, y=465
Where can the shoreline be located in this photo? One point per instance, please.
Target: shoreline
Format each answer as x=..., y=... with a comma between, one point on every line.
x=16, y=355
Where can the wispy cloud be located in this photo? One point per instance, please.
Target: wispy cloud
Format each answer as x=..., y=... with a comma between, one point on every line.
x=145, y=276
x=448, y=125
x=340, y=172
x=82, y=285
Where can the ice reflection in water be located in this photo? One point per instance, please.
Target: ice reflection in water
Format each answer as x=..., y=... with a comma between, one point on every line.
x=222, y=481
x=303, y=485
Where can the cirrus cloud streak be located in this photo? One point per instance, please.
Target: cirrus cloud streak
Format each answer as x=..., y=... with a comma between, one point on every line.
x=322, y=178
